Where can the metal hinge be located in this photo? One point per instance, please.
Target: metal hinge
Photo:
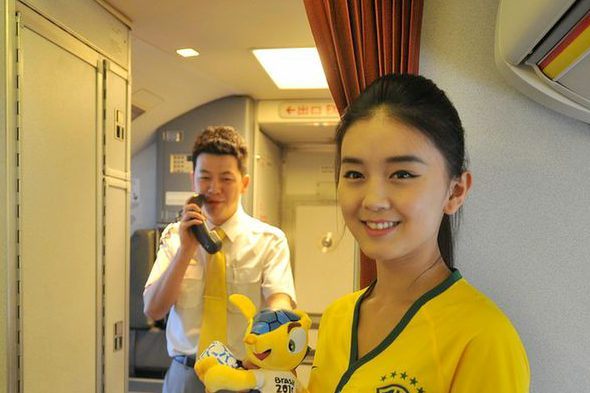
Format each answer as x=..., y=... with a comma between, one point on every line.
x=105, y=69
x=102, y=273
x=18, y=122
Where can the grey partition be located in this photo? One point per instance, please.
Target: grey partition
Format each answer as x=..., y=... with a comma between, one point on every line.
x=175, y=142
x=148, y=356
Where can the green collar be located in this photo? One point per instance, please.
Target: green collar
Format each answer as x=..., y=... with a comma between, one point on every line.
x=355, y=362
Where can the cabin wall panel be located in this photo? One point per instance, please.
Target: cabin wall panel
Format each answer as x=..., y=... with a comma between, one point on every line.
x=524, y=235
x=143, y=192
x=58, y=222
x=116, y=286
x=266, y=180
x=8, y=249
x=91, y=23
x=73, y=225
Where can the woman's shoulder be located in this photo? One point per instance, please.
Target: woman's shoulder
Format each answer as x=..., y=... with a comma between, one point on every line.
x=476, y=311
x=473, y=324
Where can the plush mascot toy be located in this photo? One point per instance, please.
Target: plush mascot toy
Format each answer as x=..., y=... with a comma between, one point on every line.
x=276, y=341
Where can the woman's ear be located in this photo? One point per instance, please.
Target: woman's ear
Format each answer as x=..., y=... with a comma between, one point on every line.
x=458, y=192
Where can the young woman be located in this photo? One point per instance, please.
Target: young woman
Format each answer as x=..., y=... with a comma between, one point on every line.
x=420, y=327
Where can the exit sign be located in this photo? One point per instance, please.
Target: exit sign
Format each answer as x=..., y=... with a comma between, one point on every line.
x=315, y=110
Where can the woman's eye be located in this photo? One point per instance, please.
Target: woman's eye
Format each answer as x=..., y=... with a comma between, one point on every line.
x=402, y=175
x=352, y=175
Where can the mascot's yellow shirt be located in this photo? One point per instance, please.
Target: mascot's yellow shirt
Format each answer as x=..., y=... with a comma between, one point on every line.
x=453, y=339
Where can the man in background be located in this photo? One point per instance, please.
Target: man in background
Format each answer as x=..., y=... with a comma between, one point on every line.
x=255, y=255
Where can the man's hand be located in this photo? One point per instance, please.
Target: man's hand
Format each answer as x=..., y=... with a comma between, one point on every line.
x=279, y=301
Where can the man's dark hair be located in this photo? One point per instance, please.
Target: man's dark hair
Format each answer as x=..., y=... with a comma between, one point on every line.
x=221, y=140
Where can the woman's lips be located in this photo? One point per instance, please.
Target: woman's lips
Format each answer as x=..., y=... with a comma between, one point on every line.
x=380, y=228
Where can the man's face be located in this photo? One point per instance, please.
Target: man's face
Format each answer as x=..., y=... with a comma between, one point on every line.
x=220, y=179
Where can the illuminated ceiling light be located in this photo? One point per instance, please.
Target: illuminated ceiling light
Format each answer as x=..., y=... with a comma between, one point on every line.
x=187, y=52
x=293, y=68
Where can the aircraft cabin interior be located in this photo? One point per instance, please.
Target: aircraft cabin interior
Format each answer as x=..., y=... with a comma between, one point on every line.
x=102, y=101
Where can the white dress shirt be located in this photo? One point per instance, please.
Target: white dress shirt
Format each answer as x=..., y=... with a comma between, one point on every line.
x=257, y=265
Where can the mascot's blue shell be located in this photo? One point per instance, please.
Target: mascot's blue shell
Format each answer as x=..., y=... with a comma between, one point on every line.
x=267, y=320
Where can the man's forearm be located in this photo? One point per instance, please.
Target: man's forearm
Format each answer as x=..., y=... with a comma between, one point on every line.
x=159, y=297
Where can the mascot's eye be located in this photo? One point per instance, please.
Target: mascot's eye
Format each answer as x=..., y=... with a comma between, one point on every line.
x=297, y=340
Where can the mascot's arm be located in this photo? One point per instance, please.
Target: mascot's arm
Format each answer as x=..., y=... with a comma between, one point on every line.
x=203, y=365
x=222, y=377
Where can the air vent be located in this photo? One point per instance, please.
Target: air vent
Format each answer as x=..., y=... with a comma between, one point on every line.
x=136, y=112
x=143, y=100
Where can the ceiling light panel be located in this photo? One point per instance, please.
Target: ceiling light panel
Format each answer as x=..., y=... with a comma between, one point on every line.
x=187, y=52
x=293, y=68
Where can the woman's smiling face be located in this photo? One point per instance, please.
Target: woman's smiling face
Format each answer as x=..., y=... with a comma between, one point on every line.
x=393, y=187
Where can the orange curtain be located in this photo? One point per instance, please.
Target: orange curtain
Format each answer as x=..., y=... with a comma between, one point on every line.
x=359, y=41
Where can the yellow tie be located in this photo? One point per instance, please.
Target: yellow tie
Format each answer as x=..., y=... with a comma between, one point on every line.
x=214, y=320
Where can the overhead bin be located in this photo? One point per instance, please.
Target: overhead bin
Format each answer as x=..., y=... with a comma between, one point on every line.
x=543, y=49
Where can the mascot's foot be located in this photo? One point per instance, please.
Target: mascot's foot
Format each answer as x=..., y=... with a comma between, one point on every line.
x=203, y=365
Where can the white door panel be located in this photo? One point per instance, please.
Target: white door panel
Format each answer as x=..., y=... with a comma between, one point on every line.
x=58, y=225
x=115, y=285
x=322, y=274
x=116, y=128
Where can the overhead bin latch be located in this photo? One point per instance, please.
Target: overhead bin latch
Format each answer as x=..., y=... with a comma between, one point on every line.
x=118, y=336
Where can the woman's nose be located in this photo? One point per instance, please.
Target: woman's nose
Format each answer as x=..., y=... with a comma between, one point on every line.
x=376, y=197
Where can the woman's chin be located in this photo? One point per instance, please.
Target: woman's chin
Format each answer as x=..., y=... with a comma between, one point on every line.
x=381, y=252
x=375, y=253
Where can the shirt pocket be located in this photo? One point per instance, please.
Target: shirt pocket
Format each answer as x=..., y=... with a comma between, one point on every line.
x=191, y=288
x=246, y=280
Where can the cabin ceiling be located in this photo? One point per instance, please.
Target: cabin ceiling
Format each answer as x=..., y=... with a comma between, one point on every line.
x=166, y=85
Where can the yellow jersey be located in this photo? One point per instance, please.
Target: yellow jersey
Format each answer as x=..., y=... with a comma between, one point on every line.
x=452, y=339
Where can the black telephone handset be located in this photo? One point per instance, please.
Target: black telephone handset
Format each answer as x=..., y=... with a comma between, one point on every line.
x=208, y=239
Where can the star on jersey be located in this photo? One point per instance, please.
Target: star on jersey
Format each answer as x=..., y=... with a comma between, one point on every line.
x=399, y=382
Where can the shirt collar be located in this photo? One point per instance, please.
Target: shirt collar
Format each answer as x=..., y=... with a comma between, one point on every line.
x=231, y=227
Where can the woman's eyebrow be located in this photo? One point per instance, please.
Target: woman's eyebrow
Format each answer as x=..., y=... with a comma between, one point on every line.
x=351, y=160
x=406, y=158
x=392, y=159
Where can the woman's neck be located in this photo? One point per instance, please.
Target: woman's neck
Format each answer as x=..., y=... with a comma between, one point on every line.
x=409, y=278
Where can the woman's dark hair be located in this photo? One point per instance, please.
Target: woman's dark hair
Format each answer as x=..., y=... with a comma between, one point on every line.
x=419, y=103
